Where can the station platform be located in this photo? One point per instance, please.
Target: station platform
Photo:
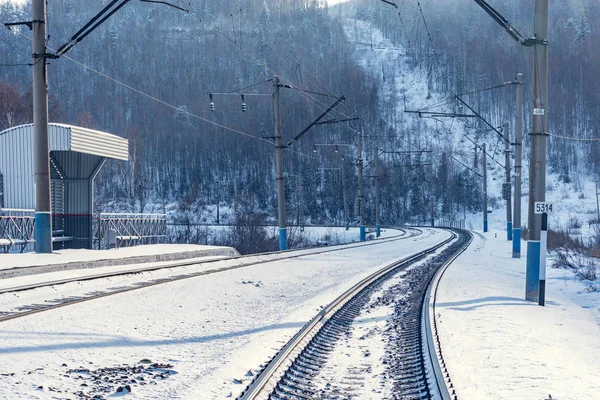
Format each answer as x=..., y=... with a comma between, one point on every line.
x=16, y=265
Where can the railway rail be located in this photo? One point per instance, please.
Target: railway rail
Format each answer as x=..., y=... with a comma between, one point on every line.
x=294, y=369
x=245, y=261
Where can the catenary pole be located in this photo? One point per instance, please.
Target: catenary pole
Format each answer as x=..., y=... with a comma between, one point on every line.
x=597, y=202
x=507, y=182
x=518, y=169
x=431, y=197
x=279, y=166
x=485, y=195
x=361, y=188
x=539, y=133
x=41, y=154
x=377, y=199
x=345, y=194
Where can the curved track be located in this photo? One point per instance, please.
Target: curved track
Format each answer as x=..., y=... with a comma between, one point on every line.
x=245, y=261
x=292, y=373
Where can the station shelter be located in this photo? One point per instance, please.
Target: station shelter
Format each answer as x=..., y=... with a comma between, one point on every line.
x=76, y=156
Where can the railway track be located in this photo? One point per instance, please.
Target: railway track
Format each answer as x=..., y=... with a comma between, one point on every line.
x=244, y=261
x=303, y=369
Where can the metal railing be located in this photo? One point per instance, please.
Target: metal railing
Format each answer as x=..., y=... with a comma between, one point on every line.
x=124, y=229
x=451, y=223
x=16, y=229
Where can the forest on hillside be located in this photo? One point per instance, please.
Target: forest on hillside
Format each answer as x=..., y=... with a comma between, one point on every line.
x=146, y=75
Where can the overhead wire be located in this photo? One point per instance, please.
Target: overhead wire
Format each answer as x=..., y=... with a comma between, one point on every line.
x=179, y=109
x=317, y=102
x=315, y=80
x=237, y=131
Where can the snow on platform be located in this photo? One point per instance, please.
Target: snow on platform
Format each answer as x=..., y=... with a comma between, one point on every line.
x=499, y=346
x=10, y=264
x=212, y=329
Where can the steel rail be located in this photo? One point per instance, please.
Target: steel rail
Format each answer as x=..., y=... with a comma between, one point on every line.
x=70, y=301
x=196, y=261
x=267, y=380
x=432, y=342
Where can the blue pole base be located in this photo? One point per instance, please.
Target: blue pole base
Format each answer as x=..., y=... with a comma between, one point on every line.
x=43, y=232
x=517, y=243
x=377, y=230
x=532, y=273
x=509, y=231
x=283, y=239
x=363, y=233
x=347, y=225
x=485, y=225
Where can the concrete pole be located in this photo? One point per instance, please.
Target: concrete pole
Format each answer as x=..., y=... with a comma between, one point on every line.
x=518, y=169
x=361, y=189
x=509, y=228
x=279, y=166
x=431, y=197
x=41, y=153
x=597, y=202
x=485, y=197
x=537, y=166
x=345, y=194
x=377, y=199
x=298, y=183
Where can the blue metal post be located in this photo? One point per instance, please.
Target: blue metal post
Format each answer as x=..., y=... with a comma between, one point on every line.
x=363, y=233
x=283, y=239
x=532, y=275
x=509, y=231
x=516, y=242
x=485, y=225
x=377, y=230
x=43, y=232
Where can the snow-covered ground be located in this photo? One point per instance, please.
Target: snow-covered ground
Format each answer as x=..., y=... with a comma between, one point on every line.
x=499, y=346
x=205, y=333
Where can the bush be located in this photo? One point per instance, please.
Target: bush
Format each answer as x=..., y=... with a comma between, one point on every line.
x=584, y=266
x=250, y=236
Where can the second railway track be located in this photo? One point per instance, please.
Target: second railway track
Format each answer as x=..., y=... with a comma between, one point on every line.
x=48, y=304
x=305, y=368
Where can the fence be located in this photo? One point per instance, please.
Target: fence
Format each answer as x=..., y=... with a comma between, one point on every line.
x=16, y=229
x=117, y=229
x=447, y=223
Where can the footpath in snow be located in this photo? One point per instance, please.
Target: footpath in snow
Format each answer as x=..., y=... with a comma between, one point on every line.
x=498, y=346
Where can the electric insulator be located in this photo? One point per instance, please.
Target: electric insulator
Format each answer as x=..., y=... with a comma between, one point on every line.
x=212, y=106
x=244, y=107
